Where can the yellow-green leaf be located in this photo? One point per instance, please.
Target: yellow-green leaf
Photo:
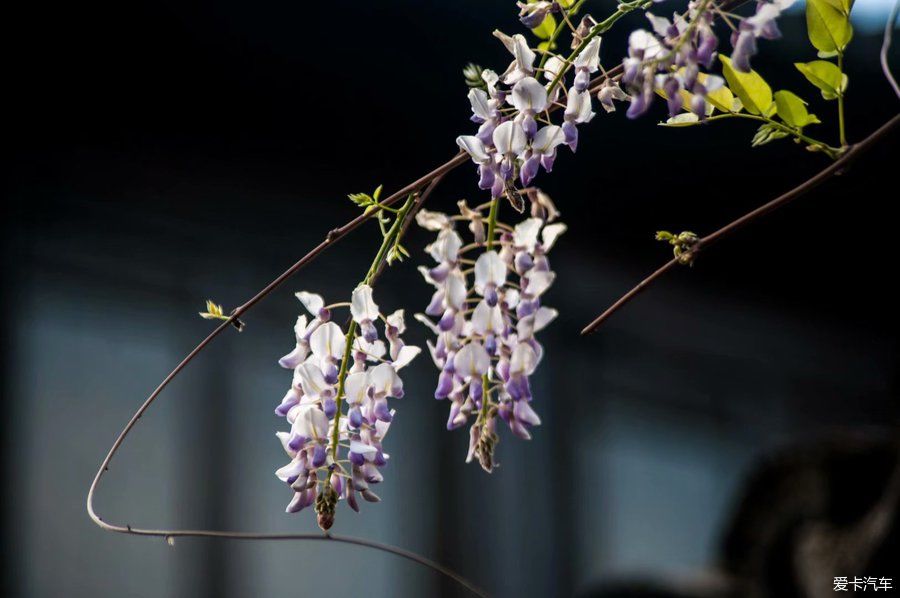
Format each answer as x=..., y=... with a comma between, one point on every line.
x=792, y=109
x=828, y=24
x=753, y=91
x=722, y=99
x=824, y=75
x=546, y=28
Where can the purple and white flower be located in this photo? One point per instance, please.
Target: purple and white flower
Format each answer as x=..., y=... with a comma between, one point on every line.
x=486, y=353
x=338, y=412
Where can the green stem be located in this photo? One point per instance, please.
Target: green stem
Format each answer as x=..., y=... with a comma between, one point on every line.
x=831, y=152
x=492, y=222
x=386, y=244
x=602, y=27
x=840, y=102
x=492, y=226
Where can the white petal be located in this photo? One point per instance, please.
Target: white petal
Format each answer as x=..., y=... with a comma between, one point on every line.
x=530, y=95
x=489, y=269
x=518, y=47
x=407, y=354
x=578, y=106
x=355, y=386
x=374, y=351
x=385, y=379
x=713, y=83
x=480, y=106
x=446, y=247
x=456, y=290
x=472, y=360
x=589, y=58
x=474, y=147
x=509, y=138
x=487, y=319
x=433, y=221
x=660, y=24
x=641, y=39
x=552, y=67
x=311, y=379
x=288, y=471
x=511, y=298
x=543, y=316
x=523, y=360
x=396, y=320
x=361, y=448
x=312, y=302
x=538, y=282
x=362, y=306
x=328, y=341
x=547, y=139
x=550, y=233
x=312, y=423
x=526, y=233
x=490, y=78
x=300, y=327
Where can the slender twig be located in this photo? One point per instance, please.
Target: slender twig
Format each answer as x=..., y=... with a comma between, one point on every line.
x=421, y=198
x=835, y=168
x=886, y=45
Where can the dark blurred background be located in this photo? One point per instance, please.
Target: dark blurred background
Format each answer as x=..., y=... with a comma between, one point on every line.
x=161, y=153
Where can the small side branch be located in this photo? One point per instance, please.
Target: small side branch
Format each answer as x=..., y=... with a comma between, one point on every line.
x=835, y=168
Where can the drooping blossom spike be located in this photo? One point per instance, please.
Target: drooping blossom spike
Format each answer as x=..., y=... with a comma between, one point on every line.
x=320, y=473
x=496, y=339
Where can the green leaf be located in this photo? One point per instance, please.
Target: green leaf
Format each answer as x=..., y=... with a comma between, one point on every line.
x=766, y=133
x=753, y=91
x=546, y=28
x=792, y=110
x=824, y=75
x=828, y=24
x=361, y=199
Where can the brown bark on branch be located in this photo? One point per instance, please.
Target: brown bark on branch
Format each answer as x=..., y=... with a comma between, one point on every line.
x=835, y=168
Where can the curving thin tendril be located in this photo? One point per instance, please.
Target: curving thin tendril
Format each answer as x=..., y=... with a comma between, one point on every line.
x=886, y=45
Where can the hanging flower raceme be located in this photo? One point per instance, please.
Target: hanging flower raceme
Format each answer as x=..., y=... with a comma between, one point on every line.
x=485, y=346
x=510, y=144
x=337, y=405
x=670, y=57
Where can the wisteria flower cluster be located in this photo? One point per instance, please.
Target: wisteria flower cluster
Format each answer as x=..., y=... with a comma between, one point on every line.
x=337, y=404
x=669, y=58
x=509, y=143
x=485, y=314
